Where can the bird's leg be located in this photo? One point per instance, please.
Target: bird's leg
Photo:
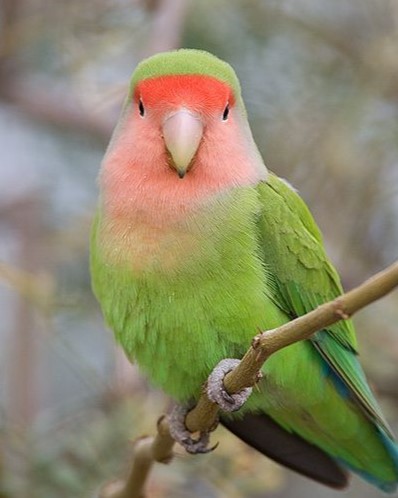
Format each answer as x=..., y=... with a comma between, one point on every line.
x=217, y=392
x=180, y=433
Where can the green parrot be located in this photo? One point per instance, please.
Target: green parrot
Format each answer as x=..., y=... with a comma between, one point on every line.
x=196, y=246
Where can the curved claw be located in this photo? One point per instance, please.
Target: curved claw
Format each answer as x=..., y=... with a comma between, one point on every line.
x=180, y=433
x=216, y=390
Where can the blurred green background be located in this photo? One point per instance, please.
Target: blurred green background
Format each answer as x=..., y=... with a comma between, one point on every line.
x=320, y=80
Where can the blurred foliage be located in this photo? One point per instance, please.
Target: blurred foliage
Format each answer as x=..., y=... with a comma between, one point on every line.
x=320, y=80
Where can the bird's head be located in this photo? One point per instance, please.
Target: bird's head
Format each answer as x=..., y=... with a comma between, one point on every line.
x=184, y=118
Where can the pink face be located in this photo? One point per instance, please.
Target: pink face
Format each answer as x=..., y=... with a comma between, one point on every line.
x=181, y=139
x=184, y=108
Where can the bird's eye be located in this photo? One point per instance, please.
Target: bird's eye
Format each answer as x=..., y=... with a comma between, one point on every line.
x=141, y=108
x=225, y=113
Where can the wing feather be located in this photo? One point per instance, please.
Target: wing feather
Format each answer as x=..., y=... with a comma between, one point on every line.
x=304, y=278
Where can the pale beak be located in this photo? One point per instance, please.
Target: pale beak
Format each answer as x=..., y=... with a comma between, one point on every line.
x=182, y=133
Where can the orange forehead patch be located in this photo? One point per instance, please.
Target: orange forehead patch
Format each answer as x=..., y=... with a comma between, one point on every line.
x=199, y=92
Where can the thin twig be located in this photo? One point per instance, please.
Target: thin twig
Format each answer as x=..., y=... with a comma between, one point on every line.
x=147, y=451
x=204, y=415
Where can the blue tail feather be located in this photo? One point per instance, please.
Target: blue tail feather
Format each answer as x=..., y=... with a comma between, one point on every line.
x=392, y=449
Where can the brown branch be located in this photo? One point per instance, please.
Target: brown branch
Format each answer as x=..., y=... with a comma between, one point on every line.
x=147, y=451
x=204, y=415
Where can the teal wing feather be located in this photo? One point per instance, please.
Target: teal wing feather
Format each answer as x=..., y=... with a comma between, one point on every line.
x=304, y=278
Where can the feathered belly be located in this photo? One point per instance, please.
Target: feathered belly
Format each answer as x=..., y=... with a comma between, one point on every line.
x=181, y=297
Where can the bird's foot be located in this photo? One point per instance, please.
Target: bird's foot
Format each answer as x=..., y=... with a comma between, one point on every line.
x=180, y=433
x=217, y=392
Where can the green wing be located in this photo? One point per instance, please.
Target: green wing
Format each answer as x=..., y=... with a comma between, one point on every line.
x=304, y=278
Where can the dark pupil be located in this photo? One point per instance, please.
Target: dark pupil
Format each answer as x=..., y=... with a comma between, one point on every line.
x=141, y=108
x=226, y=112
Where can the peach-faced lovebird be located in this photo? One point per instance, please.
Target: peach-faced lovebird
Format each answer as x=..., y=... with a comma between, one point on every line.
x=196, y=246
